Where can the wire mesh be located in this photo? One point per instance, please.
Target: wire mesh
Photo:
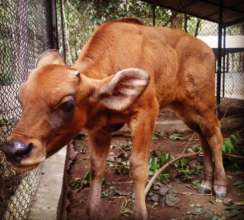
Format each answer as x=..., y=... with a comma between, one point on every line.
x=233, y=74
x=24, y=35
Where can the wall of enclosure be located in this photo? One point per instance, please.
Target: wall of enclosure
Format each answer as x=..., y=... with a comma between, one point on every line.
x=24, y=34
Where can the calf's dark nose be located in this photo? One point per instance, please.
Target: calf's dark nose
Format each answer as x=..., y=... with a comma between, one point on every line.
x=15, y=151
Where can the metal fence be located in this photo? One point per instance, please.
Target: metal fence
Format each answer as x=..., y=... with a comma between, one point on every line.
x=232, y=79
x=24, y=33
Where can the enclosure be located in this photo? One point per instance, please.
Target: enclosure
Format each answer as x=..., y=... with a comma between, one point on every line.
x=30, y=27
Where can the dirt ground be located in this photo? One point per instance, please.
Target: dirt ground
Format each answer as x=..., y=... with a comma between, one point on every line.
x=175, y=196
x=117, y=188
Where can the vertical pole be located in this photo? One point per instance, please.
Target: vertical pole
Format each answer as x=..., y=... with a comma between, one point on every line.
x=63, y=29
x=52, y=24
x=219, y=64
x=224, y=63
x=153, y=14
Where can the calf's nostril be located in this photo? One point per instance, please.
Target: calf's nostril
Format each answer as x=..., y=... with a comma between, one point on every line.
x=23, y=149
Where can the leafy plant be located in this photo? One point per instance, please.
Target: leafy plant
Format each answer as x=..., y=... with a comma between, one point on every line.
x=187, y=170
x=157, y=160
x=230, y=143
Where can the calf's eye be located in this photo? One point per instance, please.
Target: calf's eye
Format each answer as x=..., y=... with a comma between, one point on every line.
x=67, y=106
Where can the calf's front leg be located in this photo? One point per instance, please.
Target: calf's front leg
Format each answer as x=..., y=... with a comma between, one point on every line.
x=99, y=142
x=142, y=127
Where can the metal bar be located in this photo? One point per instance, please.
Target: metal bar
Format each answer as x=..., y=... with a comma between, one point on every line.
x=153, y=14
x=224, y=63
x=219, y=60
x=185, y=22
x=52, y=24
x=228, y=62
x=55, y=21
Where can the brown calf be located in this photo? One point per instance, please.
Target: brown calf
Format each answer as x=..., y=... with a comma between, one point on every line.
x=125, y=73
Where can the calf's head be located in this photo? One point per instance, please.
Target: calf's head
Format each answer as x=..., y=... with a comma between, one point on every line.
x=58, y=101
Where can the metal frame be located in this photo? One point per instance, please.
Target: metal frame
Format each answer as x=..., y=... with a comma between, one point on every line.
x=219, y=57
x=52, y=24
x=183, y=9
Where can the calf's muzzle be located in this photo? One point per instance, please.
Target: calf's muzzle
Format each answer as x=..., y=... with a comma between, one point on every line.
x=16, y=150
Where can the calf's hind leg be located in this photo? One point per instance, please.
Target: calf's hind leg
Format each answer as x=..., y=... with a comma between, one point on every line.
x=206, y=184
x=208, y=128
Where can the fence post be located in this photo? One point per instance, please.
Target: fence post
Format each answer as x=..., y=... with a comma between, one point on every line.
x=219, y=61
x=52, y=29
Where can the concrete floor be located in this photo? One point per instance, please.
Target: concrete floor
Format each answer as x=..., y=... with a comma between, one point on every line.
x=46, y=200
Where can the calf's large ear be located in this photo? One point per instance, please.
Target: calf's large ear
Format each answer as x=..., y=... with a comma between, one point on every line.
x=123, y=89
x=49, y=57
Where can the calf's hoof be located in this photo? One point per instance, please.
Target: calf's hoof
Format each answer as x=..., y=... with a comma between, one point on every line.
x=94, y=214
x=141, y=216
x=220, y=191
x=205, y=187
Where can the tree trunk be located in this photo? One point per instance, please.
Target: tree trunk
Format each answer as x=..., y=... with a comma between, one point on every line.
x=66, y=34
x=177, y=20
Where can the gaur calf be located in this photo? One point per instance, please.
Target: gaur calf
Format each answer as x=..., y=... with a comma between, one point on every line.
x=124, y=74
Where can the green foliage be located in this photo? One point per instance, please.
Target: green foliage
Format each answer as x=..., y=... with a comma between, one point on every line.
x=157, y=160
x=186, y=170
x=230, y=144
